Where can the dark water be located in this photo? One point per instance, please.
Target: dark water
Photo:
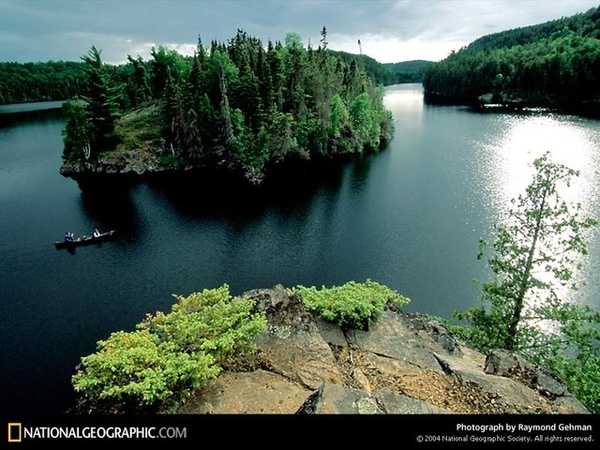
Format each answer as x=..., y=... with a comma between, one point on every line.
x=409, y=217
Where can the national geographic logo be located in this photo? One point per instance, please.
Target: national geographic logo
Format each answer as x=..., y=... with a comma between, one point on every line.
x=15, y=432
x=19, y=433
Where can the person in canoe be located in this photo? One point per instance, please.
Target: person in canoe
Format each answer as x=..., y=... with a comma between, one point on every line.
x=69, y=237
x=96, y=233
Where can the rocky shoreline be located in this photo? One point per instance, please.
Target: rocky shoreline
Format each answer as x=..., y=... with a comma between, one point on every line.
x=405, y=363
x=130, y=162
x=509, y=102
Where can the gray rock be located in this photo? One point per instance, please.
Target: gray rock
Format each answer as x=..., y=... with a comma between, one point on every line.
x=434, y=330
x=292, y=342
x=392, y=336
x=334, y=399
x=550, y=386
x=394, y=403
x=404, y=364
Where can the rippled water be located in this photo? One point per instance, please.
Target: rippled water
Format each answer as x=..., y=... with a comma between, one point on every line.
x=409, y=217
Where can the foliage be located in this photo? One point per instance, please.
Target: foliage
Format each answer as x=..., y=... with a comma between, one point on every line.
x=386, y=73
x=139, y=366
x=239, y=106
x=407, y=71
x=534, y=257
x=574, y=353
x=62, y=80
x=40, y=81
x=138, y=88
x=351, y=305
x=101, y=111
x=77, y=131
x=171, y=354
x=210, y=321
x=551, y=63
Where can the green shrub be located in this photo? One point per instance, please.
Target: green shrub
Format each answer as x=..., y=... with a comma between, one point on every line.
x=351, y=305
x=210, y=321
x=169, y=355
x=139, y=367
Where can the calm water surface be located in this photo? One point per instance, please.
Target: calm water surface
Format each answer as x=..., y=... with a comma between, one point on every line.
x=409, y=217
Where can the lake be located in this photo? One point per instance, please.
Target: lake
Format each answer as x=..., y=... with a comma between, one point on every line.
x=409, y=217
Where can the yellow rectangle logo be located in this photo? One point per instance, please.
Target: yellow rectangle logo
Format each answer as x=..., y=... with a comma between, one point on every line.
x=14, y=432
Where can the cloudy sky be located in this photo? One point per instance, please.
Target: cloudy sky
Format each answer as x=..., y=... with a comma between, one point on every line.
x=389, y=30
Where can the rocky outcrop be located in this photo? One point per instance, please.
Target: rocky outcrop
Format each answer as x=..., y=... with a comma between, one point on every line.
x=136, y=162
x=405, y=363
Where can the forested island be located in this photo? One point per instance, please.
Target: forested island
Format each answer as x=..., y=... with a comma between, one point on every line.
x=239, y=106
x=62, y=80
x=553, y=64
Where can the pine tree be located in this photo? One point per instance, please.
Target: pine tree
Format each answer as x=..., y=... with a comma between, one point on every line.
x=324, y=42
x=102, y=105
x=139, y=81
x=227, y=137
x=76, y=133
x=173, y=117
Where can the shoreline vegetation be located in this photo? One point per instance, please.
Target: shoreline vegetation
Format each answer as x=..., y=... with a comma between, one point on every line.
x=553, y=65
x=234, y=106
x=243, y=108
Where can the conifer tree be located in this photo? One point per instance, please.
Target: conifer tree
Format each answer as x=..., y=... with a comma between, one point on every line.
x=139, y=81
x=102, y=105
x=227, y=137
x=324, y=42
x=77, y=131
x=173, y=117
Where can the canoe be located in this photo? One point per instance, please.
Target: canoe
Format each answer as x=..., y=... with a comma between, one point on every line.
x=86, y=240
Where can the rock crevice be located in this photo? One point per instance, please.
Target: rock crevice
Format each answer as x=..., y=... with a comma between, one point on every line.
x=405, y=363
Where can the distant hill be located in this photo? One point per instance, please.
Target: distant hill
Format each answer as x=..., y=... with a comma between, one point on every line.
x=408, y=71
x=41, y=81
x=556, y=63
x=584, y=24
x=387, y=73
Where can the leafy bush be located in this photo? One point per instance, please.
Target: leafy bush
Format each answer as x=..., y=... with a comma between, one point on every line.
x=351, y=305
x=171, y=354
x=139, y=366
x=211, y=322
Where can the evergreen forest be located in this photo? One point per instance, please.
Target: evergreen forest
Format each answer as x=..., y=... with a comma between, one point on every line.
x=61, y=80
x=38, y=82
x=556, y=63
x=237, y=105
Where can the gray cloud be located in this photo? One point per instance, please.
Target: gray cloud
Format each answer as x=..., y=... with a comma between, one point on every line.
x=390, y=30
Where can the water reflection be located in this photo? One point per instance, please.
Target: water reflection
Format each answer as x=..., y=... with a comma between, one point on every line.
x=10, y=117
x=108, y=206
x=199, y=195
x=574, y=142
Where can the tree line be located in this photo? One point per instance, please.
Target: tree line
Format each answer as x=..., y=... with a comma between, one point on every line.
x=41, y=81
x=387, y=73
x=557, y=62
x=62, y=80
x=237, y=104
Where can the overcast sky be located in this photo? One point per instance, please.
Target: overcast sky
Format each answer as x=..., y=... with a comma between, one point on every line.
x=389, y=30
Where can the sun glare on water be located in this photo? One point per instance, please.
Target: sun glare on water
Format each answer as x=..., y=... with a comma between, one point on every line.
x=568, y=142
